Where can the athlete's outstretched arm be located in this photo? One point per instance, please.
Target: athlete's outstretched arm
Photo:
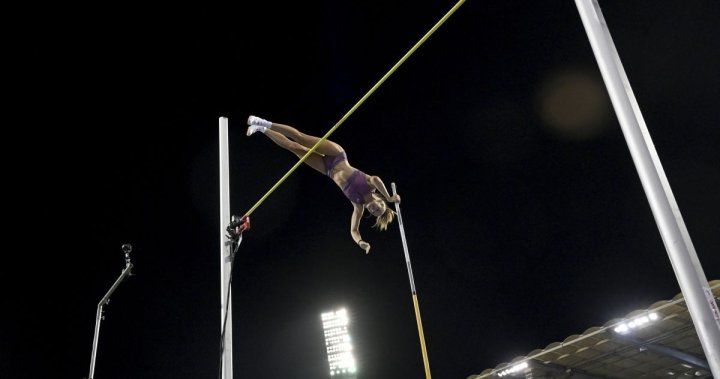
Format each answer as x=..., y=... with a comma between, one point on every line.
x=358, y=211
x=380, y=186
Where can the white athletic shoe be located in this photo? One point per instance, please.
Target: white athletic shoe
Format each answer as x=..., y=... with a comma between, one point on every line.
x=252, y=120
x=254, y=128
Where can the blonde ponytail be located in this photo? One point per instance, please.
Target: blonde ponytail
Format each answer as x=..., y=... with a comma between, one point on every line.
x=384, y=219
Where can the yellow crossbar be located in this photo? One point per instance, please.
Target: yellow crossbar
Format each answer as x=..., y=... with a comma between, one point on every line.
x=356, y=106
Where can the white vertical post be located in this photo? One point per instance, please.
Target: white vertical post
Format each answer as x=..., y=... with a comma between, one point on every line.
x=688, y=271
x=225, y=251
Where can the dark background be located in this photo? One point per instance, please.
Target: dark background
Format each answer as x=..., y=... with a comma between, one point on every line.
x=525, y=218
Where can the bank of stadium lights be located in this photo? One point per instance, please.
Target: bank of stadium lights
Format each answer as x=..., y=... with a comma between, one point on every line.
x=513, y=369
x=627, y=326
x=338, y=342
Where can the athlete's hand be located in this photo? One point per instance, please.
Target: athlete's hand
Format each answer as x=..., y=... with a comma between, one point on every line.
x=394, y=198
x=365, y=246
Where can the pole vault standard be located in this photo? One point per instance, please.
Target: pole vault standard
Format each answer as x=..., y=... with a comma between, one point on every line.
x=126, y=248
x=225, y=255
x=412, y=287
x=693, y=283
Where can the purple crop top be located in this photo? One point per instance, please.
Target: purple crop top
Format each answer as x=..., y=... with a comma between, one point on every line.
x=357, y=187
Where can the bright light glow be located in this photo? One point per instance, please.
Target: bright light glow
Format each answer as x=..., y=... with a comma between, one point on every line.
x=338, y=342
x=513, y=369
x=622, y=328
x=636, y=323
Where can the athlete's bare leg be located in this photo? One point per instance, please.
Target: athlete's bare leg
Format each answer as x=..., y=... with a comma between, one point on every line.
x=314, y=160
x=326, y=147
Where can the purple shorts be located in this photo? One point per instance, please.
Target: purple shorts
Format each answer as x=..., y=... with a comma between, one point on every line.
x=331, y=161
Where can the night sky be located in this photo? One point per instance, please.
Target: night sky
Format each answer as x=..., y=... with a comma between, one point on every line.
x=525, y=217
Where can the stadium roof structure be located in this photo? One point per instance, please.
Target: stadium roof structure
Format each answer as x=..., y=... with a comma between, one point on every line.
x=657, y=342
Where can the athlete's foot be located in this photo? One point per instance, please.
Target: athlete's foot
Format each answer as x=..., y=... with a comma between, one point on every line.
x=252, y=120
x=254, y=128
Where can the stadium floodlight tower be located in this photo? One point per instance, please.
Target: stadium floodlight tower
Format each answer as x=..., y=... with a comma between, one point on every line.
x=338, y=344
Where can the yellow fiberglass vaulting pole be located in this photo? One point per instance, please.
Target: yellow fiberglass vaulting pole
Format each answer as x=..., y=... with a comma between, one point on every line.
x=357, y=105
x=412, y=288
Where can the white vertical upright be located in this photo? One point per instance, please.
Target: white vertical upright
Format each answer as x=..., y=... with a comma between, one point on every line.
x=688, y=271
x=225, y=251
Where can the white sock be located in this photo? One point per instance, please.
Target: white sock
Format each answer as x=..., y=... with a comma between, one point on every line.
x=253, y=120
x=255, y=128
